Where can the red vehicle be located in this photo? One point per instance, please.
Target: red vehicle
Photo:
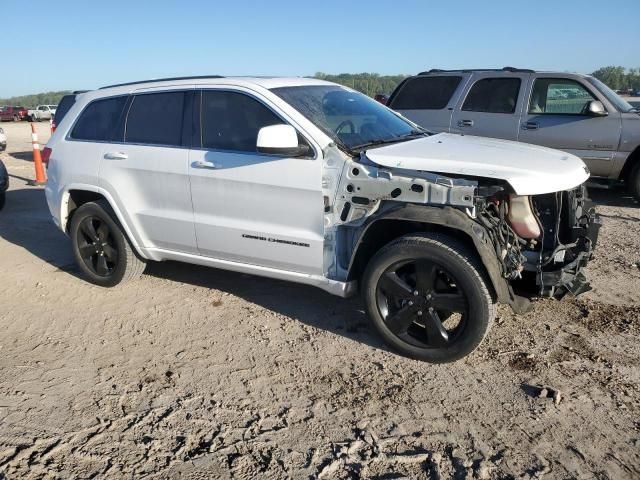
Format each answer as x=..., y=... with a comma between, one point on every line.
x=13, y=113
x=382, y=98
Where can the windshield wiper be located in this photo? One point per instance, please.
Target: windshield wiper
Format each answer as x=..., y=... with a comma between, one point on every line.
x=401, y=138
x=415, y=133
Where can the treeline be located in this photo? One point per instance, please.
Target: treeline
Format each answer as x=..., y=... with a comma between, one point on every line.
x=619, y=78
x=367, y=83
x=47, y=98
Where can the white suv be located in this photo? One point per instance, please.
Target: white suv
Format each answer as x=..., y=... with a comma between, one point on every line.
x=308, y=181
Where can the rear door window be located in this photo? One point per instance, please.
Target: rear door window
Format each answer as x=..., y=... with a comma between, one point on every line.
x=493, y=95
x=99, y=119
x=425, y=93
x=559, y=97
x=231, y=120
x=156, y=119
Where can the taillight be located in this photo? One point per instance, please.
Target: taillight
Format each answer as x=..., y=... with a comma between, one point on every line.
x=46, y=155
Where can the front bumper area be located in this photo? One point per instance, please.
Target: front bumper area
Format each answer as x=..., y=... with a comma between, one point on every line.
x=569, y=278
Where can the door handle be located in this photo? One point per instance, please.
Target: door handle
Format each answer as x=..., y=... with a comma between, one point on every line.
x=530, y=125
x=465, y=123
x=116, y=156
x=203, y=164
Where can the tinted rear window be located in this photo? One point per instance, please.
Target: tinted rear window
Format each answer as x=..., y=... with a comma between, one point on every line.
x=63, y=107
x=156, y=119
x=493, y=95
x=99, y=119
x=425, y=93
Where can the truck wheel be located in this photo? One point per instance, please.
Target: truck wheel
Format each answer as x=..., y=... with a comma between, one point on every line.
x=634, y=182
x=100, y=247
x=16, y=118
x=427, y=298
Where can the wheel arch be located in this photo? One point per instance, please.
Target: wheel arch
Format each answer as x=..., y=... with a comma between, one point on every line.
x=77, y=195
x=632, y=160
x=394, y=221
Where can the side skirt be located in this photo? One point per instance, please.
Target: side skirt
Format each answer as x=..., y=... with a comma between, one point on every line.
x=334, y=287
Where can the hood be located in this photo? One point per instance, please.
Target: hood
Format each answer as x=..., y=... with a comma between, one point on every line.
x=529, y=169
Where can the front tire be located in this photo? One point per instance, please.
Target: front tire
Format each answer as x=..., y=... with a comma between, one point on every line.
x=427, y=297
x=634, y=182
x=101, y=248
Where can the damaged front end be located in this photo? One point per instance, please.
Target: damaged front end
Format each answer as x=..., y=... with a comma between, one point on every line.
x=531, y=246
x=542, y=241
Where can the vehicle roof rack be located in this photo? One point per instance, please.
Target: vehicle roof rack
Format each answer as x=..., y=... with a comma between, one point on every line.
x=469, y=70
x=519, y=70
x=162, y=80
x=78, y=92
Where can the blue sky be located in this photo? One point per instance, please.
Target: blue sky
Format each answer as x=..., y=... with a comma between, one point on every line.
x=73, y=44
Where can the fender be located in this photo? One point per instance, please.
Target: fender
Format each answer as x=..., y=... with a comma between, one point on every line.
x=455, y=219
x=64, y=212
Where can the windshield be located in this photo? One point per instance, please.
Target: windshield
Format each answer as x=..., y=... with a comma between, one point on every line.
x=351, y=119
x=612, y=96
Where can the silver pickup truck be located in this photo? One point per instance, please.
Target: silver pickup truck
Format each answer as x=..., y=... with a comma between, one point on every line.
x=571, y=112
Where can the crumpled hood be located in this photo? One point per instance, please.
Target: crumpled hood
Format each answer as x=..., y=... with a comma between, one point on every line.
x=529, y=169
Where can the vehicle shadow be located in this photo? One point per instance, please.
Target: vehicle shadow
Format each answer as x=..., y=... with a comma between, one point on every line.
x=25, y=156
x=304, y=303
x=612, y=197
x=26, y=222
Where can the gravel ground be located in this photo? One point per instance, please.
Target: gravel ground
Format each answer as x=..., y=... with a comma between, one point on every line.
x=199, y=373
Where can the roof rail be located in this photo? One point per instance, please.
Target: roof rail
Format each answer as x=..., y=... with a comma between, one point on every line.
x=469, y=70
x=162, y=80
x=78, y=92
x=520, y=70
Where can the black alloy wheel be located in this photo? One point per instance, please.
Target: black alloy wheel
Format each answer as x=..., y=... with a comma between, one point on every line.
x=97, y=247
x=427, y=296
x=100, y=246
x=421, y=303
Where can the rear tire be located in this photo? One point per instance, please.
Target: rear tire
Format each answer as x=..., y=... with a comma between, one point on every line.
x=634, y=182
x=101, y=249
x=426, y=296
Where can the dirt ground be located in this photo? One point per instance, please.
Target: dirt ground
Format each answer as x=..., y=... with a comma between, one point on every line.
x=199, y=373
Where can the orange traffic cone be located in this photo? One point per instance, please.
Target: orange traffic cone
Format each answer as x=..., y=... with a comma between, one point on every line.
x=37, y=159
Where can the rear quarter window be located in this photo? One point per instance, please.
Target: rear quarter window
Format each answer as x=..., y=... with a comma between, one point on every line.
x=425, y=93
x=99, y=119
x=63, y=107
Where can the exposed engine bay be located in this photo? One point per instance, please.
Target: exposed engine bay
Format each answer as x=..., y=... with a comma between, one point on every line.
x=540, y=242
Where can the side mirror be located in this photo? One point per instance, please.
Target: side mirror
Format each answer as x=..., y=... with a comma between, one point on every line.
x=597, y=109
x=280, y=140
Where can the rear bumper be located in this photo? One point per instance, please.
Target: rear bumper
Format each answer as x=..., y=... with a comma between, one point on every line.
x=570, y=277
